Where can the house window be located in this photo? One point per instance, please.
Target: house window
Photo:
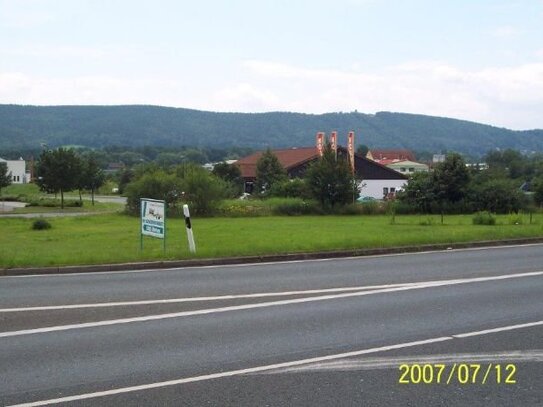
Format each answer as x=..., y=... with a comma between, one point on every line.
x=411, y=169
x=403, y=169
x=385, y=191
x=392, y=190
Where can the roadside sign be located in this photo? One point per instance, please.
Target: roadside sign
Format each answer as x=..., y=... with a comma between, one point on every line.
x=153, y=219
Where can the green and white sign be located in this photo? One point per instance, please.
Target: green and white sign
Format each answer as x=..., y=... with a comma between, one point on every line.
x=153, y=218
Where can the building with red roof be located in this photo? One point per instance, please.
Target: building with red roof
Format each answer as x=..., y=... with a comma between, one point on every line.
x=390, y=155
x=375, y=180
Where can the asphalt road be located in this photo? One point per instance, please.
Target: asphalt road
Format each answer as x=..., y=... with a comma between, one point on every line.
x=324, y=332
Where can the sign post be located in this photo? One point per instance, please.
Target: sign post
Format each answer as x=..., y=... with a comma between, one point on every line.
x=153, y=220
x=190, y=236
x=333, y=142
x=320, y=143
x=350, y=149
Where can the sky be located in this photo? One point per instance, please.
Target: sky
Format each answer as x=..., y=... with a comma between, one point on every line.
x=477, y=60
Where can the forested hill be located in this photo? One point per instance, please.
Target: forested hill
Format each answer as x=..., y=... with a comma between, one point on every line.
x=25, y=127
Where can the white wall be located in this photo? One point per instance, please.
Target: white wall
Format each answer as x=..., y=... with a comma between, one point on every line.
x=374, y=187
x=18, y=171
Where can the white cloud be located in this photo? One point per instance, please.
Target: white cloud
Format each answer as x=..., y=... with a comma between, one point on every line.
x=25, y=14
x=20, y=88
x=509, y=97
x=57, y=51
x=505, y=31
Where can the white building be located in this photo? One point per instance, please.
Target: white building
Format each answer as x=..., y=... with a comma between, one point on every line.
x=406, y=167
x=380, y=188
x=17, y=170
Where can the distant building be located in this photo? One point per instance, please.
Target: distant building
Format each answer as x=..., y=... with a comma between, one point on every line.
x=374, y=180
x=438, y=158
x=17, y=171
x=406, y=167
x=113, y=168
x=477, y=166
x=211, y=166
x=390, y=154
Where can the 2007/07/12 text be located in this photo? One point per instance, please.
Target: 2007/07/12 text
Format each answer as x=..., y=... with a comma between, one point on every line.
x=458, y=373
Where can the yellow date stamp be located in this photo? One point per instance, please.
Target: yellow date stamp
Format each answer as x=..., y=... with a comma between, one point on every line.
x=457, y=373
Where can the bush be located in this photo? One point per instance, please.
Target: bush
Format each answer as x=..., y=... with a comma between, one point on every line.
x=237, y=208
x=401, y=207
x=515, y=219
x=202, y=190
x=155, y=185
x=54, y=203
x=296, y=207
x=350, y=209
x=186, y=184
x=484, y=218
x=498, y=196
x=374, y=208
x=294, y=188
x=429, y=221
x=41, y=224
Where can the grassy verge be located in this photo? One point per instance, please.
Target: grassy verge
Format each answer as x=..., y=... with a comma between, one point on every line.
x=115, y=238
x=44, y=203
x=87, y=207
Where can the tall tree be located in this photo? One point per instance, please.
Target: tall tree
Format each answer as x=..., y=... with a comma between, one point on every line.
x=58, y=171
x=330, y=180
x=231, y=174
x=92, y=174
x=362, y=149
x=433, y=192
x=451, y=179
x=538, y=191
x=269, y=171
x=5, y=176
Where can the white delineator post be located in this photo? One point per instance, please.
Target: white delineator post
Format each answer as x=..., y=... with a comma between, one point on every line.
x=190, y=236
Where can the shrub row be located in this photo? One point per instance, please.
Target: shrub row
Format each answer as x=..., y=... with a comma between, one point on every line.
x=54, y=203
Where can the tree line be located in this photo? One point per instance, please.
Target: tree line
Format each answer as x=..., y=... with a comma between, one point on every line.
x=62, y=170
x=138, y=126
x=511, y=183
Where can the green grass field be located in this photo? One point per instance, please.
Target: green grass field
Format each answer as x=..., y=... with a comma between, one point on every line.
x=115, y=238
x=31, y=193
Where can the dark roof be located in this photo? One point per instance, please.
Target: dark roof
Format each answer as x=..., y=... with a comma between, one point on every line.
x=288, y=158
x=384, y=154
x=296, y=160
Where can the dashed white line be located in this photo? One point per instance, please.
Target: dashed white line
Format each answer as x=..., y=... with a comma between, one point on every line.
x=265, y=368
x=350, y=364
x=263, y=304
x=494, y=330
x=200, y=299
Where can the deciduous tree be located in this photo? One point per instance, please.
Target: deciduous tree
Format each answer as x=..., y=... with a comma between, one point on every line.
x=268, y=171
x=58, y=171
x=5, y=176
x=330, y=180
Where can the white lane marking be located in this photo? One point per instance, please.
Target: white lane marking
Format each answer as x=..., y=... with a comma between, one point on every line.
x=256, y=369
x=350, y=258
x=230, y=373
x=249, y=296
x=494, y=330
x=261, y=305
x=392, y=362
x=199, y=299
